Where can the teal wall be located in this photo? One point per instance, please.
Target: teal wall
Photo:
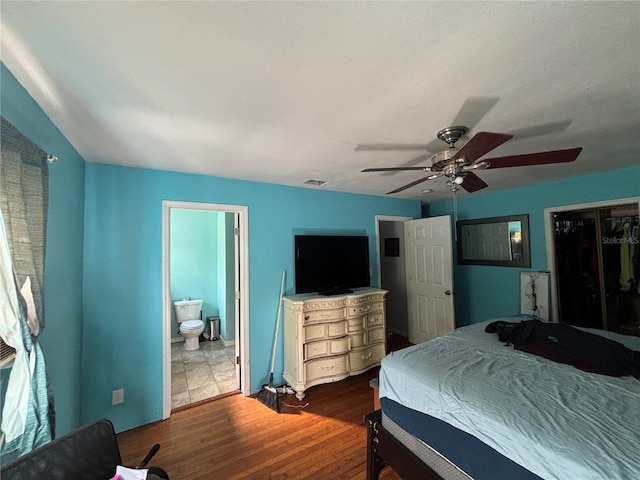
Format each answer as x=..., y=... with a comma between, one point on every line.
x=483, y=292
x=194, y=253
x=61, y=338
x=103, y=275
x=122, y=305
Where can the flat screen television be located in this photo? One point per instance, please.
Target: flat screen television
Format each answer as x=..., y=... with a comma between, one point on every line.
x=331, y=264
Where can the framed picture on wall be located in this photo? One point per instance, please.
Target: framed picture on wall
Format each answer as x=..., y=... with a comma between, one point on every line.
x=392, y=247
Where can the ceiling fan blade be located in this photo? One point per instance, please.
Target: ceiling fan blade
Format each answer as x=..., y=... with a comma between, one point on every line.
x=389, y=147
x=409, y=185
x=540, y=158
x=395, y=169
x=473, y=183
x=480, y=144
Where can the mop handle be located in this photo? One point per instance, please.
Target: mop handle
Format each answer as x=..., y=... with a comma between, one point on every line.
x=273, y=355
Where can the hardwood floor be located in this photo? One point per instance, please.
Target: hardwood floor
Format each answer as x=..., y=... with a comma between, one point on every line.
x=238, y=437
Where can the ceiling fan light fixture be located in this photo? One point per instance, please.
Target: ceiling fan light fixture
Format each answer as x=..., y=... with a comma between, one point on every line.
x=452, y=185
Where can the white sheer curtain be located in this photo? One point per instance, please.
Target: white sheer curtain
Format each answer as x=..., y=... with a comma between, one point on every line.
x=27, y=405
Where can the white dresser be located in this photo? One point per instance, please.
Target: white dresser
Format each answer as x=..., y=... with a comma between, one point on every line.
x=328, y=338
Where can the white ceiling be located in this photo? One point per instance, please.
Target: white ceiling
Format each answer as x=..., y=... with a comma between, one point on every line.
x=283, y=92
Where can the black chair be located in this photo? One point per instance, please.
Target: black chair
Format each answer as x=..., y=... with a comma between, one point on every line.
x=90, y=452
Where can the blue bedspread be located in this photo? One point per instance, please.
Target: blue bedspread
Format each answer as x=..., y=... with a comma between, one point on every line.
x=555, y=420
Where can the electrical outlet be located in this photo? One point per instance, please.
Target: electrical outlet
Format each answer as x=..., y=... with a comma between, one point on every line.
x=117, y=396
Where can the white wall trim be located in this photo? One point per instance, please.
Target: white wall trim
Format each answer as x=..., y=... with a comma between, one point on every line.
x=550, y=237
x=242, y=347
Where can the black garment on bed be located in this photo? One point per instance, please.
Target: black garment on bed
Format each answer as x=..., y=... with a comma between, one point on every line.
x=569, y=345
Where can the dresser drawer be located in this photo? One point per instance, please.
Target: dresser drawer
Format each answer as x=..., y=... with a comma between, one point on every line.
x=356, y=310
x=314, y=316
x=374, y=320
x=356, y=324
x=367, y=337
x=326, y=367
x=364, y=322
x=358, y=339
x=324, y=331
x=366, y=357
x=375, y=335
x=325, y=348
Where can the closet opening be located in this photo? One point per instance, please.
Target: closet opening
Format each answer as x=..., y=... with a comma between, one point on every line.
x=596, y=267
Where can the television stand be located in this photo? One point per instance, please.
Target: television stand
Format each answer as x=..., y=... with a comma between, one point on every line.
x=327, y=339
x=335, y=291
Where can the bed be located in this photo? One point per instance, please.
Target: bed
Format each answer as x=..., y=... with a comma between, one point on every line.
x=464, y=406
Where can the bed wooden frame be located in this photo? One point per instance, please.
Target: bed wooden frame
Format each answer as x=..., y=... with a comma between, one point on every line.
x=383, y=449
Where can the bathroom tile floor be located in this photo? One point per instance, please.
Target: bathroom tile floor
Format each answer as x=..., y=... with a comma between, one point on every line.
x=204, y=373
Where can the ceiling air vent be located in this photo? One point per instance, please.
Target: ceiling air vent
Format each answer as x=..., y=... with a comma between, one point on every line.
x=315, y=183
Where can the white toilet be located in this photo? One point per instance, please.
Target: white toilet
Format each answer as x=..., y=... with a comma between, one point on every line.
x=191, y=326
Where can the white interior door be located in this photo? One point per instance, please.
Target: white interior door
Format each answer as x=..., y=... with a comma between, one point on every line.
x=428, y=253
x=236, y=296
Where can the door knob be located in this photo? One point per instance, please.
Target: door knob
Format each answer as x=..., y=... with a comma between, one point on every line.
x=447, y=292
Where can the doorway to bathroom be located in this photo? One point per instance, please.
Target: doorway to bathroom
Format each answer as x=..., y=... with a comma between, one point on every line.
x=205, y=256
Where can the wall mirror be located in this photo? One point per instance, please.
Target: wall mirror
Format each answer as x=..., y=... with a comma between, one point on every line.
x=502, y=241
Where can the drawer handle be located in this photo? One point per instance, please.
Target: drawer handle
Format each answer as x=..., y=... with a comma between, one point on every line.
x=326, y=368
x=367, y=356
x=322, y=315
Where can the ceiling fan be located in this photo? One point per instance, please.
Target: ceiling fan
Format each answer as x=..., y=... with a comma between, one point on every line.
x=457, y=163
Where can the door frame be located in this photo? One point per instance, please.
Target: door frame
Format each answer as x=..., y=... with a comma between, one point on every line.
x=242, y=295
x=549, y=232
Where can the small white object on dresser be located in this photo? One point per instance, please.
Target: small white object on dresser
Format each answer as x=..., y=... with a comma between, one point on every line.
x=328, y=338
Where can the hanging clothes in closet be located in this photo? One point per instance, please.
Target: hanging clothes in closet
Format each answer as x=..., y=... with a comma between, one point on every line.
x=623, y=297
x=619, y=240
x=597, y=254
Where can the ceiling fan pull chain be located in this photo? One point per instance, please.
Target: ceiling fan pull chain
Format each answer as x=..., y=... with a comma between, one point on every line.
x=455, y=215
